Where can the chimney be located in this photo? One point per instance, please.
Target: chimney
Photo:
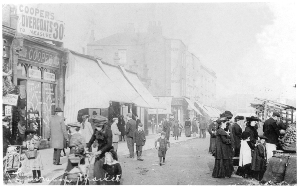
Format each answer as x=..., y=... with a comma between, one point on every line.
x=92, y=37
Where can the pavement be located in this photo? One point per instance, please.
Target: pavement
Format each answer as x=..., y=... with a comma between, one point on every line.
x=51, y=171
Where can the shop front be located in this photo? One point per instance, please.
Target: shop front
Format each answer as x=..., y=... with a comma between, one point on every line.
x=37, y=72
x=179, y=109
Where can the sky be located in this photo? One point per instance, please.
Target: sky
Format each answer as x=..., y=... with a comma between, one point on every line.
x=250, y=46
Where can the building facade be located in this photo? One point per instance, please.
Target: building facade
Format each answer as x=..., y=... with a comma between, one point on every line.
x=164, y=65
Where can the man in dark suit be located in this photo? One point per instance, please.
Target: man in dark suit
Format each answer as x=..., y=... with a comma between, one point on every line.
x=236, y=133
x=271, y=131
x=130, y=129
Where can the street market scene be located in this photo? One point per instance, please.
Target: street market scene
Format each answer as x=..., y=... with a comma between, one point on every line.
x=149, y=93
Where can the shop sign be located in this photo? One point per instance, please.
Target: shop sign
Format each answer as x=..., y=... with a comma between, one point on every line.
x=49, y=76
x=40, y=56
x=7, y=110
x=39, y=23
x=33, y=73
x=10, y=99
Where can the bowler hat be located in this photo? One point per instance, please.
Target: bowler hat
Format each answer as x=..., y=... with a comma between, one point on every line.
x=74, y=124
x=263, y=137
x=276, y=114
x=100, y=120
x=58, y=109
x=129, y=115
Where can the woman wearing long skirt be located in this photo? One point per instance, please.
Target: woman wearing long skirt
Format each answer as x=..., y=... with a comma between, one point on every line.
x=187, y=128
x=223, y=153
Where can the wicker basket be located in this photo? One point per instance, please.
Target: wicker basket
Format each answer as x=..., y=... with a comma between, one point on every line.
x=31, y=154
x=74, y=159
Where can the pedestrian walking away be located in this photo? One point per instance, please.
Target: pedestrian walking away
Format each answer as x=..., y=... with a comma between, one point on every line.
x=203, y=127
x=166, y=127
x=162, y=145
x=103, y=136
x=139, y=139
x=130, y=129
x=116, y=133
x=57, y=134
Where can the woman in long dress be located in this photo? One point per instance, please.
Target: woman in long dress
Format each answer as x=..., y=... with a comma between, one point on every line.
x=121, y=127
x=176, y=129
x=223, y=153
x=187, y=128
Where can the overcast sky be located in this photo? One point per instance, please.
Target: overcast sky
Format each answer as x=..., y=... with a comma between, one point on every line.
x=250, y=46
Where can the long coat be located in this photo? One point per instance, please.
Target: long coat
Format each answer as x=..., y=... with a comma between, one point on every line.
x=271, y=131
x=236, y=133
x=176, y=128
x=167, y=129
x=130, y=128
x=259, y=158
x=121, y=126
x=115, y=132
x=223, y=148
x=194, y=126
x=187, y=127
x=57, y=132
x=212, y=128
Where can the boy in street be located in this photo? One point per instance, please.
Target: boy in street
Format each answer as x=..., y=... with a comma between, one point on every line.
x=139, y=139
x=162, y=145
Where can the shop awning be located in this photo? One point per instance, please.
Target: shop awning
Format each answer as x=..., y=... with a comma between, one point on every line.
x=141, y=89
x=87, y=86
x=210, y=111
x=163, y=101
x=115, y=74
x=191, y=106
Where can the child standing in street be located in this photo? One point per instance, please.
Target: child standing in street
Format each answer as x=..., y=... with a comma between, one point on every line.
x=162, y=145
x=139, y=139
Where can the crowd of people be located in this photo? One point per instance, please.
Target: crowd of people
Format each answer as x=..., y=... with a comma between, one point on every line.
x=245, y=148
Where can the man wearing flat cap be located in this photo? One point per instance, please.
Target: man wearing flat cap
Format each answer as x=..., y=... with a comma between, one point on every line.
x=130, y=129
x=271, y=131
x=57, y=134
x=104, y=137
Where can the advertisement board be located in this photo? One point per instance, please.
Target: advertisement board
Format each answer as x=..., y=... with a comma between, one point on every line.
x=39, y=23
x=10, y=99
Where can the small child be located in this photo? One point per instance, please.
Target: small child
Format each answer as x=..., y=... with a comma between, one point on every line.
x=259, y=159
x=112, y=168
x=162, y=145
x=35, y=164
x=140, y=140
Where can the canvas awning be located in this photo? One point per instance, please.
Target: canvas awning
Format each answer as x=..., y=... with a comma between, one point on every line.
x=191, y=106
x=163, y=101
x=141, y=89
x=87, y=86
x=115, y=74
x=210, y=111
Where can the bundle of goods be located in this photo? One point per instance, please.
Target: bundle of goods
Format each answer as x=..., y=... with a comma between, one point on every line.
x=288, y=142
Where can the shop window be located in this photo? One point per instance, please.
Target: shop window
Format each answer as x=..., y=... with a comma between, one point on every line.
x=21, y=70
x=34, y=72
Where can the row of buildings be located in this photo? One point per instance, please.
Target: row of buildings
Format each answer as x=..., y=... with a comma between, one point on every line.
x=164, y=65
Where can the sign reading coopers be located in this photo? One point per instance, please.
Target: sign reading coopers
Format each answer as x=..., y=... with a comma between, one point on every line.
x=39, y=23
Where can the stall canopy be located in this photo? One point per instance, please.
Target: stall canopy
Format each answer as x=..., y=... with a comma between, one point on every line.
x=87, y=86
x=115, y=74
x=166, y=103
x=191, y=106
x=210, y=111
x=141, y=89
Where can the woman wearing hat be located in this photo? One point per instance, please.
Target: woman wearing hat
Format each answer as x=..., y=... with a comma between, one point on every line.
x=251, y=128
x=259, y=159
x=223, y=152
x=103, y=135
x=187, y=127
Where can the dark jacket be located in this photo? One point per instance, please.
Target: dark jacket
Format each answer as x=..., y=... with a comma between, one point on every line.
x=139, y=138
x=259, y=158
x=223, y=148
x=121, y=126
x=130, y=128
x=253, y=133
x=236, y=135
x=271, y=131
x=104, y=139
x=212, y=127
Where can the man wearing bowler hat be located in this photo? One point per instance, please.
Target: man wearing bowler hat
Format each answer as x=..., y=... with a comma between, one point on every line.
x=57, y=134
x=271, y=131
